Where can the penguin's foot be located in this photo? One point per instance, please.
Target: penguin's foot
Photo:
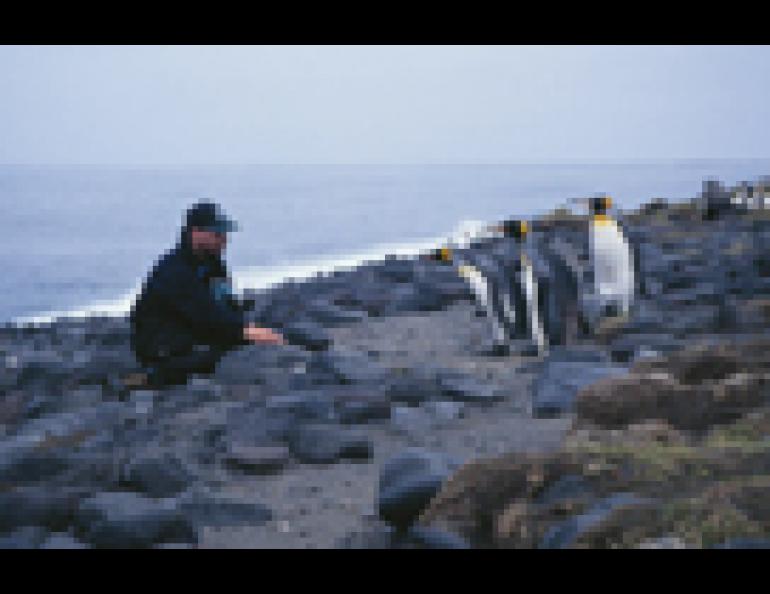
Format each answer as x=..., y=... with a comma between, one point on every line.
x=609, y=328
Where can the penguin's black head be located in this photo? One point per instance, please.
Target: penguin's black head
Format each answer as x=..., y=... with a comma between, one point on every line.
x=443, y=255
x=600, y=205
x=515, y=229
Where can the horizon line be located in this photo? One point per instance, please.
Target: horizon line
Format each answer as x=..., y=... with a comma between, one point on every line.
x=560, y=161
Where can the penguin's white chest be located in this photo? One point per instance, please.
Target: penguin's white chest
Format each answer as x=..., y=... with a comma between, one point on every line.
x=612, y=260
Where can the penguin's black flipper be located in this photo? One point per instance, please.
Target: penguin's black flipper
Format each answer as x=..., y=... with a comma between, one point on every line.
x=634, y=243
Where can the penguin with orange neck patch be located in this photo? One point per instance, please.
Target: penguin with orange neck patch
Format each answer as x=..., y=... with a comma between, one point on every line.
x=611, y=286
x=509, y=295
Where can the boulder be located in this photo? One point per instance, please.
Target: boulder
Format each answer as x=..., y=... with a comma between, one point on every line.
x=51, y=508
x=158, y=476
x=130, y=520
x=557, y=385
x=407, y=484
x=321, y=443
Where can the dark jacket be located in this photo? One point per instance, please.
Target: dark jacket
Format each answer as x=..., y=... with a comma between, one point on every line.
x=179, y=306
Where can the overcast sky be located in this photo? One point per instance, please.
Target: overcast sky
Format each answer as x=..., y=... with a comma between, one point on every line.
x=381, y=104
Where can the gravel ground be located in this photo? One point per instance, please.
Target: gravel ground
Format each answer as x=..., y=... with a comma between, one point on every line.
x=315, y=506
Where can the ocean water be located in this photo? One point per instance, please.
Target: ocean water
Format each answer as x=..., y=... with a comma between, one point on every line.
x=80, y=240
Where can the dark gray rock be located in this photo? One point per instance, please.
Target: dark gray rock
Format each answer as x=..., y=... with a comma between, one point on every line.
x=158, y=476
x=216, y=510
x=362, y=407
x=396, y=269
x=257, y=364
x=259, y=427
x=29, y=537
x=99, y=366
x=445, y=411
x=47, y=506
x=310, y=405
x=566, y=533
x=22, y=465
x=257, y=459
x=130, y=520
x=407, y=484
x=464, y=388
x=744, y=543
x=420, y=420
x=325, y=313
x=314, y=443
x=627, y=349
x=558, y=383
x=414, y=389
x=307, y=335
x=566, y=487
x=347, y=368
x=61, y=541
x=428, y=537
x=411, y=420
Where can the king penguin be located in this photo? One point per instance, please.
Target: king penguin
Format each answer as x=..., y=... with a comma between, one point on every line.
x=507, y=291
x=613, y=263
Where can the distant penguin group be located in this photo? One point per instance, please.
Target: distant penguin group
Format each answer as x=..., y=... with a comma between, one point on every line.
x=541, y=293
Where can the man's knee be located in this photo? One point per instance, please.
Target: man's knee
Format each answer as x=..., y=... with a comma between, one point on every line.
x=176, y=368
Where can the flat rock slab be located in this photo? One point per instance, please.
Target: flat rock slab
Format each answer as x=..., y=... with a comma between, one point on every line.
x=303, y=405
x=432, y=415
x=558, y=383
x=469, y=389
x=257, y=459
x=129, y=520
x=217, y=510
x=362, y=409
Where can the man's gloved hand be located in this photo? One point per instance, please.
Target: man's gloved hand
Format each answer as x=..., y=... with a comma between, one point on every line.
x=258, y=335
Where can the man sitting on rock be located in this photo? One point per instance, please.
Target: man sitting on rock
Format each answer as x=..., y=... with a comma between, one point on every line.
x=186, y=317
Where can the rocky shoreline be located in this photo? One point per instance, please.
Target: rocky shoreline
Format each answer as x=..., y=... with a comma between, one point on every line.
x=382, y=425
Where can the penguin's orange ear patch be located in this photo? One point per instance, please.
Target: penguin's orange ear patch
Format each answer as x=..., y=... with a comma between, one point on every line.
x=445, y=254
